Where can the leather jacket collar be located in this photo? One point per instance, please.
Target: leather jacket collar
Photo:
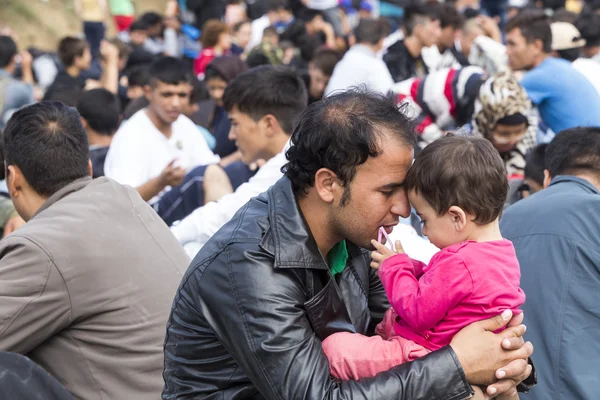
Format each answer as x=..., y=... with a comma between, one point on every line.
x=288, y=239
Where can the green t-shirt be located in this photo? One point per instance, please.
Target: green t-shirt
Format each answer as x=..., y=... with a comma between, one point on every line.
x=121, y=7
x=338, y=256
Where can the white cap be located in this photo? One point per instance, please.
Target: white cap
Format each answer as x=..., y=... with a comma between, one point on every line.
x=565, y=36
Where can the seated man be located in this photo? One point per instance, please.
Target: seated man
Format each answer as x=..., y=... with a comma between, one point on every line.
x=87, y=283
x=291, y=268
x=100, y=116
x=262, y=122
x=556, y=234
x=157, y=146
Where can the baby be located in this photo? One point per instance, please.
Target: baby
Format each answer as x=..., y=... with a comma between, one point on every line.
x=458, y=186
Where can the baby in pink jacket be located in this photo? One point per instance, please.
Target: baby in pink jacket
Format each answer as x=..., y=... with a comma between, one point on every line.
x=458, y=186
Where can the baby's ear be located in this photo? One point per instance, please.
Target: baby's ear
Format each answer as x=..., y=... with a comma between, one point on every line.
x=459, y=218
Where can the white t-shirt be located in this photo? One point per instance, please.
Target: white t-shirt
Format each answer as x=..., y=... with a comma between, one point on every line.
x=590, y=69
x=258, y=27
x=139, y=151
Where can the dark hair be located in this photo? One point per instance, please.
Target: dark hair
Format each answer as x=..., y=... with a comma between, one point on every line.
x=535, y=164
x=66, y=94
x=570, y=54
x=124, y=49
x=101, y=109
x=169, y=70
x=69, y=48
x=308, y=14
x=341, y=132
x=139, y=25
x=276, y=5
x=589, y=27
x=255, y=59
x=270, y=31
x=415, y=14
x=461, y=171
x=211, y=31
x=252, y=93
x=564, y=15
x=213, y=73
x=238, y=25
x=534, y=25
x=574, y=150
x=139, y=76
x=8, y=49
x=152, y=18
x=449, y=16
x=370, y=30
x=47, y=142
x=325, y=60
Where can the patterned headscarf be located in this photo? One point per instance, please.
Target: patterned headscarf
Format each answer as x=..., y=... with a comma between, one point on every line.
x=501, y=96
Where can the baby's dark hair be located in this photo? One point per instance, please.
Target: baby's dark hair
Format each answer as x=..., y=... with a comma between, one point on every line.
x=467, y=172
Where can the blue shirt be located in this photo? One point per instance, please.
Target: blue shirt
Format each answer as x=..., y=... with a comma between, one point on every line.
x=16, y=94
x=564, y=97
x=556, y=234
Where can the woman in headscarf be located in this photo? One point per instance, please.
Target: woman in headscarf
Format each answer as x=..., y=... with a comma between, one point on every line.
x=503, y=115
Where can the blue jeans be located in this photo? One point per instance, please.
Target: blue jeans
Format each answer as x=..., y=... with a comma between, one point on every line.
x=94, y=33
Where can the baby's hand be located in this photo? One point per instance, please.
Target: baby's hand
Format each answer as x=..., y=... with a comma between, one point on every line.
x=382, y=253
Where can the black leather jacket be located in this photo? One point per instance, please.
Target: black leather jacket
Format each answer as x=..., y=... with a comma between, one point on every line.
x=255, y=304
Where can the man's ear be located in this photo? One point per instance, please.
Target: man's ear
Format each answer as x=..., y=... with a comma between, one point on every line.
x=547, y=178
x=84, y=123
x=272, y=125
x=326, y=184
x=90, y=169
x=14, y=181
x=459, y=218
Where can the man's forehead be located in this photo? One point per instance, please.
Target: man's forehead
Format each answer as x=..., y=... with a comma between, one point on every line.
x=179, y=87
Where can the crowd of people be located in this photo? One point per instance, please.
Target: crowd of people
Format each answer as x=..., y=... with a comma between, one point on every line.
x=282, y=199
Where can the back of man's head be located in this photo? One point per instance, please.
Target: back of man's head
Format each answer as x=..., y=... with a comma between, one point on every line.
x=47, y=143
x=168, y=70
x=417, y=13
x=101, y=111
x=589, y=27
x=535, y=164
x=370, y=31
x=268, y=89
x=534, y=25
x=340, y=133
x=574, y=151
x=8, y=50
x=69, y=48
x=276, y=5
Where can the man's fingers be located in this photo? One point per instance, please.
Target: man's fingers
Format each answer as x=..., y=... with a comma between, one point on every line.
x=503, y=387
x=515, y=331
x=516, y=320
x=513, y=343
x=497, y=322
x=513, y=370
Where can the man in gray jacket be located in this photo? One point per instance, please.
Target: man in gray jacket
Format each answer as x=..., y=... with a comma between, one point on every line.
x=87, y=284
x=556, y=233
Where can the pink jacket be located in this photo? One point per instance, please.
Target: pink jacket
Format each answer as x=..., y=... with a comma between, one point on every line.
x=463, y=283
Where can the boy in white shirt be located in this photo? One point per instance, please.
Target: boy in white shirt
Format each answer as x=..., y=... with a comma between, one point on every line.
x=157, y=146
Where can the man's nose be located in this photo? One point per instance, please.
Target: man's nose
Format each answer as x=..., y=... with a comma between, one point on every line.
x=231, y=136
x=401, y=206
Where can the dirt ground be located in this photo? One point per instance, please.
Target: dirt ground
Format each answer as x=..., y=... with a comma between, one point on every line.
x=42, y=23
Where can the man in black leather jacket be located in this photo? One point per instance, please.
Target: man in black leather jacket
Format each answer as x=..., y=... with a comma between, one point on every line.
x=258, y=299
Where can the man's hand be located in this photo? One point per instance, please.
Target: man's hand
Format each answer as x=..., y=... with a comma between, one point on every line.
x=171, y=175
x=109, y=51
x=13, y=224
x=26, y=59
x=382, y=253
x=498, y=360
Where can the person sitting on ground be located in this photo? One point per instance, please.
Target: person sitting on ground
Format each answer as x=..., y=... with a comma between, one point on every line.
x=216, y=41
x=76, y=57
x=100, y=115
x=568, y=44
x=421, y=29
x=562, y=103
x=14, y=94
x=474, y=276
x=292, y=268
x=268, y=49
x=361, y=64
x=158, y=145
x=242, y=33
x=320, y=69
x=262, y=122
x=88, y=281
x=556, y=234
x=211, y=113
x=138, y=35
x=503, y=115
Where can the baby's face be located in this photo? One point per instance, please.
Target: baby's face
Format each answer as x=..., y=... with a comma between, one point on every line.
x=439, y=229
